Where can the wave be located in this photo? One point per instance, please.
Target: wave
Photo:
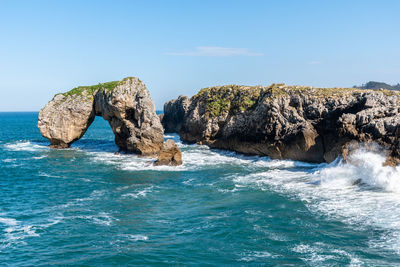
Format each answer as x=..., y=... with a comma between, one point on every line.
x=365, y=168
x=137, y=237
x=8, y=221
x=320, y=253
x=138, y=194
x=102, y=218
x=361, y=192
x=25, y=146
x=16, y=231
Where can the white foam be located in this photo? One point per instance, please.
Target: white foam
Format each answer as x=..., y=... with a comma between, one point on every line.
x=194, y=157
x=102, y=218
x=9, y=160
x=318, y=253
x=40, y=157
x=8, y=221
x=365, y=167
x=137, y=237
x=96, y=194
x=24, y=146
x=256, y=255
x=362, y=192
x=16, y=233
x=43, y=174
x=139, y=193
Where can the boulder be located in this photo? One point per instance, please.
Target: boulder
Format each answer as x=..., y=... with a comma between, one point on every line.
x=169, y=155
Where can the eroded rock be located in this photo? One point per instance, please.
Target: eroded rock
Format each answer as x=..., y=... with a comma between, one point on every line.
x=288, y=122
x=125, y=104
x=169, y=155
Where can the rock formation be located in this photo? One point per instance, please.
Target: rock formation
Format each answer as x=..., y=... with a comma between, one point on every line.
x=176, y=111
x=125, y=104
x=169, y=155
x=288, y=122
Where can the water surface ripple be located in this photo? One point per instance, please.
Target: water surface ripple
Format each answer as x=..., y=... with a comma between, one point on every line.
x=89, y=206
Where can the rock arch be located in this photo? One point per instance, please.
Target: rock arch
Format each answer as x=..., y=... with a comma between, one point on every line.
x=125, y=104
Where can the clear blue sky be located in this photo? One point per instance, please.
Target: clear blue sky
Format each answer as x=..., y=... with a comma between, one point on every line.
x=179, y=47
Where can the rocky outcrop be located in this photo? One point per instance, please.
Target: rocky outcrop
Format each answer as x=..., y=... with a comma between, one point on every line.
x=288, y=122
x=176, y=110
x=125, y=104
x=169, y=155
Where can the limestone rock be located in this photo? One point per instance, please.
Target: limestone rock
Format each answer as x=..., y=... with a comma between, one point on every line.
x=169, y=155
x=287, y=122
x=125, y=104
x=176, y=110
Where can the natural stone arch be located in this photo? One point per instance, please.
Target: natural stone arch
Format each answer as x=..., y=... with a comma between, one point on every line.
x=125, y=104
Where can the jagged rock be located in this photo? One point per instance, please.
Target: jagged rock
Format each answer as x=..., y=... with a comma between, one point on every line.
x=288, y=122
x=176, y=110
x=125, y=104
x=169, y=155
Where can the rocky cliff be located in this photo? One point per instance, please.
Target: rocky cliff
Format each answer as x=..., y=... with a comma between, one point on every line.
x=125, y=104
x=288, y=122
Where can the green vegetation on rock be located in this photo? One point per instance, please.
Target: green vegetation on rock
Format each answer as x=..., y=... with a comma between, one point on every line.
x=92, y=89
x=231, y=99
x=228, y=99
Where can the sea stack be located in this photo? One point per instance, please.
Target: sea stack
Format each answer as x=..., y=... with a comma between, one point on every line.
x=125, y=104
x=288, y=122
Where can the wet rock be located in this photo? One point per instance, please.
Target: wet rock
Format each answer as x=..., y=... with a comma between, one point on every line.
x=169, y=155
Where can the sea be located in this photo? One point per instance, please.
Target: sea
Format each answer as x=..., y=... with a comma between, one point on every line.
x=90, y=206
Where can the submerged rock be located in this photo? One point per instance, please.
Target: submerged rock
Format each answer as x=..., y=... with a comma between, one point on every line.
x=125, y=104
x=288, y=122
x=169, y=155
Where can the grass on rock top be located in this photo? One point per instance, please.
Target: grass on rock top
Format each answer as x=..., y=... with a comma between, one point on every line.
x=108, y=86
x=220, y=100
x=229, y=98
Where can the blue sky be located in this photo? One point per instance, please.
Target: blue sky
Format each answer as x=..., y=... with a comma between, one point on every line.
x=179, y=47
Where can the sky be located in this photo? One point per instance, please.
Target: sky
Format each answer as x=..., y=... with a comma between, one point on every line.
x=179, y=47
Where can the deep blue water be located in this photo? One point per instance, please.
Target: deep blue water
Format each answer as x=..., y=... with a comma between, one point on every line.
x=89, y=206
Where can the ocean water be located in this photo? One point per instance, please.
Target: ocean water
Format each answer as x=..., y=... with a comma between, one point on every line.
x=89, y=206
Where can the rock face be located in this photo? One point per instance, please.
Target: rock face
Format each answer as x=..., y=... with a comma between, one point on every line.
x=176, y=110
x=169, y=155
x=125, y=104
x=288, y=122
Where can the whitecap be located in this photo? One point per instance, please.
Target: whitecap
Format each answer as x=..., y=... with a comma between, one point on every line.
x=40, y=157
x=138, y=194
x=9, y=160
x=102, y=218
x=43, y=174
x=8, y=221
x=25, y=146
x=361, y=192
x=256, y=256
x=137, y=237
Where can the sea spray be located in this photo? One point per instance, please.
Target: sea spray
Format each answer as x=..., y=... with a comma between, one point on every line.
x=363, y=167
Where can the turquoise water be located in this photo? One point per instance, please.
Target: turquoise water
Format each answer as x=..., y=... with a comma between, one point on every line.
x=89, y=206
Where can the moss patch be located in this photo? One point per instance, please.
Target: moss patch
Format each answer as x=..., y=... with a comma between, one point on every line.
x=221, y=100
x=277, y=90
x=230, y=99
x=90, y=90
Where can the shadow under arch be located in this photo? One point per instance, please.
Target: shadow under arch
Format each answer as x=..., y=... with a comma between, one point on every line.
x=99, y=137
